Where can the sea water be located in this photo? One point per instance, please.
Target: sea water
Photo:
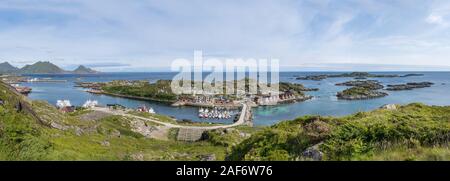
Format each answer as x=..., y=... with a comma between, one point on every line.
x=324, y=101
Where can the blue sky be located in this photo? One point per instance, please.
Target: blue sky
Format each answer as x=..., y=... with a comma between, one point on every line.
x=117, y=35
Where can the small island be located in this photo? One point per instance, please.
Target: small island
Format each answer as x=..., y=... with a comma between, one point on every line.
x=369, y=84
x=409, y=86
x=359, y=93
x=412, y=75
x=356, y=75
x=366, y=89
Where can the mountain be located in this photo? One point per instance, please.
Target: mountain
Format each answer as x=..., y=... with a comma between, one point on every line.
x=84, y=70
x=6, y=68
x=42, y=68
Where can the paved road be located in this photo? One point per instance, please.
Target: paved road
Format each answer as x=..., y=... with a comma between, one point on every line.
x=240, y=121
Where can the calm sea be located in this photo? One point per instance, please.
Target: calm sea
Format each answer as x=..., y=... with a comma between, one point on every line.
x=324, y=102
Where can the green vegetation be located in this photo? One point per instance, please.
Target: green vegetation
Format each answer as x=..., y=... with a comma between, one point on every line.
x=357, y=92
x=159, y=91
x=41, y=132
x=411, y=132
x=23, y=137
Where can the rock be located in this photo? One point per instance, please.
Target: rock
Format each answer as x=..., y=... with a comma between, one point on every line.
x=59, y=126
x=317, y=130
x=244, y=135
x=313, y=153
x=78, y=131
x=389, y=107
x=115, y=133
x=208, y=157
x=105, y=143
x=137, y=156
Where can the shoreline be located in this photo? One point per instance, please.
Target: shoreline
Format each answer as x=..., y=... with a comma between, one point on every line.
x=129, y=97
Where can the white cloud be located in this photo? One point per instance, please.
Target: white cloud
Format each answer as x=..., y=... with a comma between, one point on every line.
x=152, y=33
x=435, y=19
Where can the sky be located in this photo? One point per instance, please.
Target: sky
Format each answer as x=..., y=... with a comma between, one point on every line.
x=146, y=35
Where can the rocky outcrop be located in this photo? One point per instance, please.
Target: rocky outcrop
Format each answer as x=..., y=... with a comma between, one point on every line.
x=313, y=153
x=208, y=157
x=389, y=107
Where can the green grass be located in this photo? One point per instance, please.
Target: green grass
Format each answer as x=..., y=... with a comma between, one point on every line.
x=362, y=136
x=411, y=132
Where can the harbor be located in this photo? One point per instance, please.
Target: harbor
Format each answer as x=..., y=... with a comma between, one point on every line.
x=324, y=101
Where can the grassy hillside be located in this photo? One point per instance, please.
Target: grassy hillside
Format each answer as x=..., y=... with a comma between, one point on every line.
x=59, y=136
x=35, y=130
x=411, y=132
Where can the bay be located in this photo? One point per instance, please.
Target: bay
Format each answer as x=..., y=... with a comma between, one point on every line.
x=324, y=102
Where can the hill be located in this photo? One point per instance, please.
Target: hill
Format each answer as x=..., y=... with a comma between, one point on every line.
x=84, y=70
x=36, y=130
x=6, y=68
x=410, y=132
x=42, y=68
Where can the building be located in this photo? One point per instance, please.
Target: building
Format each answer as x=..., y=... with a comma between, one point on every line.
x=145, y=109
x=68, y=109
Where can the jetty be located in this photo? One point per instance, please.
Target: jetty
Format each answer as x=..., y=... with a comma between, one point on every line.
x=245, y=118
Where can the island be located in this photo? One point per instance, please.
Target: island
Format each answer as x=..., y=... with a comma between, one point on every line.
x=161, y=91
x=359, y=93
x=411, y=75
x=369, y=84
x=361, y=89
x=409, y=86
x=356, y=75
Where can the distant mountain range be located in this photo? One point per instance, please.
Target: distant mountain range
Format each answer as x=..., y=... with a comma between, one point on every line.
x=42, y=68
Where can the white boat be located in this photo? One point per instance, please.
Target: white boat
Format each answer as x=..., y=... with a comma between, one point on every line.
x=90, y=103
x=63, y=103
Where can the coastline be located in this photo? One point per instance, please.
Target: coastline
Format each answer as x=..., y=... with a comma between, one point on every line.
x=130, y=97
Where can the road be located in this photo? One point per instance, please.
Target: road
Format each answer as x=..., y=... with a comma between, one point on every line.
x=240, y=121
